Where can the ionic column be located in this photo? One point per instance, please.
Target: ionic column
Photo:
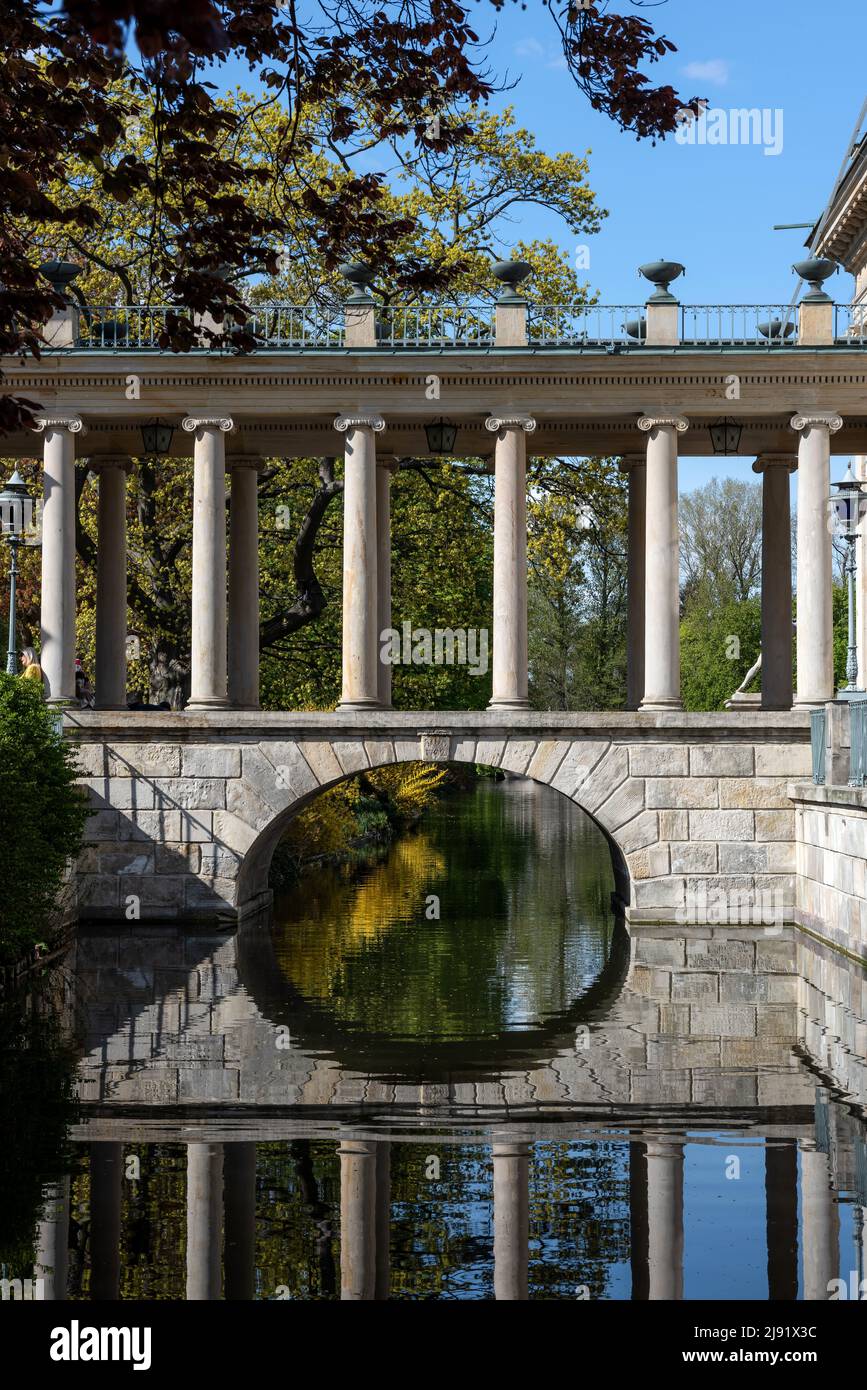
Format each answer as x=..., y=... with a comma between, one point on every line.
x=106, y=1181
x=664, y=1219
x=510, y=658
x=204, y=1220
x=358, y=1165
x=511, y=1218
x=777, y=688
x=208, y=664
x=52, y=1241
x=58, y=556
x=239, y=1178
x=360, y=596
x=385, y=469
x=243, y=684
x=662, y=564
x=815, y=626
x=635, y=467
x=111, y=596
x=819, y=1225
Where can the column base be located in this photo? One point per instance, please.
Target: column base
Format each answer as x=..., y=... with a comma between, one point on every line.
x=509, y=704
x=360, y=704
x=661, y=704
x=217, y=702
x=820, y=701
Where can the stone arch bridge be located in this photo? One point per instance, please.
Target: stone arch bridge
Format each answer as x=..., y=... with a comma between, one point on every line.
x=187, y=809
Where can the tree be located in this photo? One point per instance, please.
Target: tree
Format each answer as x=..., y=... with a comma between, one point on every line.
x=721, y=540
x=354, y=77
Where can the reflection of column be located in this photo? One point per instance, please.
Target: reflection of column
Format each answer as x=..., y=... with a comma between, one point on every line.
x=635, y=466
x=664, y=1219
x=358, y=1164
x=781, y=1207
x=204, y=1225
x=638, y=1233
x=511, y=1218
x=239, y=1179
x=52, y=1241
x=106, y=1177
x=383, y=1219
x=819, y=1225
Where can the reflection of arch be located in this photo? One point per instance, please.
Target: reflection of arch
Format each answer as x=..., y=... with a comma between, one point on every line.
x=316, y=1030
x=592, y=775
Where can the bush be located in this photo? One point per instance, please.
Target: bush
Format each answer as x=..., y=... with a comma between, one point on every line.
x=718, y=645
x=42, y=815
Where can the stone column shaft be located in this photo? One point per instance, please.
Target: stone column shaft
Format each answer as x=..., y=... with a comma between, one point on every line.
x=204, y=1221
x=358, y=1165
x=52, y=1241
x=859, y=468
x=815, y=628
x=208, y=687
x=511, y=1219
x=777, y=686
x=360, y=586
x=635, y=466
x=383, y=577
x=58, y=556
x=111, y=579
x=243, y=641
x=819, y=1225
x=510, y=655
x=662, y=564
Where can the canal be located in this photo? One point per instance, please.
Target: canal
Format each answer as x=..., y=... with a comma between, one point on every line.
x=445, y=1072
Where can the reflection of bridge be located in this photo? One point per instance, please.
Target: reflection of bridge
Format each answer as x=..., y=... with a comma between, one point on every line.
x=711, y=1031
x=190, y=807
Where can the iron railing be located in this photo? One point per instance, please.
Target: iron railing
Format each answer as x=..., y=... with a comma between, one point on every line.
x=586, y=325
x=817, y=743
x=858, y=740
x=123, y=326
x=850, y=324
x=741, y=325
x=435, y=326
x=296, y=326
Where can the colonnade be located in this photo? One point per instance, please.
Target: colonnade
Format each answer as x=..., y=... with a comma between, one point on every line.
x=221, y=1220
x=225, y=584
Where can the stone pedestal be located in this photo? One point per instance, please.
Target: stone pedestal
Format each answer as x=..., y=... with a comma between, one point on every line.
x=509, y=658
x=58, y=556
x=815, y=629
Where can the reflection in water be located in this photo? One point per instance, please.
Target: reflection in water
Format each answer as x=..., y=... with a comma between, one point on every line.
x=673, y=1117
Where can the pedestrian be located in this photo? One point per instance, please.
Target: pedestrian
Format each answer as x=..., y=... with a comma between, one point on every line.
x=32, y=670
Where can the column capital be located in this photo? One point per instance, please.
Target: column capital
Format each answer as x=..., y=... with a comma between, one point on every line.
x=254, y=461
x=99, y=462
x=812, y=419
x=495, y=423
x=765, y=461
x=360, y=420
x=630, y=461
x=73, y=423
x=193, y=423
x=646, y=423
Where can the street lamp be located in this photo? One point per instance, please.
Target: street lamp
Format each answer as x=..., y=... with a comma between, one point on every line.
x=725, y=436
x=15, y=514
x=156, y=437
x=441, y=436
x=846, y=505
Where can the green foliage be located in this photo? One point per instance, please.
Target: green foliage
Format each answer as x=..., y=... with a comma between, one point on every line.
x=718, y=645
x=42, y=815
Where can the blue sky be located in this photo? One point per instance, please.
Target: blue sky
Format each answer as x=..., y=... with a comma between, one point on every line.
x=711, y=207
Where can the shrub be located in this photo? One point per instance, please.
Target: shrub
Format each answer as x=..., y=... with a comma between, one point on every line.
x=42, y=815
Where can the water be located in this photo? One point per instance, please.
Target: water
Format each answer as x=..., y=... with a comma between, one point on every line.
x=508, y=1099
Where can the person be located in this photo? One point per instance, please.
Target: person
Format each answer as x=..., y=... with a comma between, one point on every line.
x=32, y=670
x=84, y=692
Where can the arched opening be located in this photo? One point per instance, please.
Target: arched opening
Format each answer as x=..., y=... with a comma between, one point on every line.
x=488, y=935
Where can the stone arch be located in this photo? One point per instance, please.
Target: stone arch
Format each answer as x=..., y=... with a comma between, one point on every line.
x=278, y=779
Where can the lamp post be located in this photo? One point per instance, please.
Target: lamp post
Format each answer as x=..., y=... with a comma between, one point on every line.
x=14, y=503
x=846, y=505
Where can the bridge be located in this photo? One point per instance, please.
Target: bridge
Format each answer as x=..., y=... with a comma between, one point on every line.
x=188, y=807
